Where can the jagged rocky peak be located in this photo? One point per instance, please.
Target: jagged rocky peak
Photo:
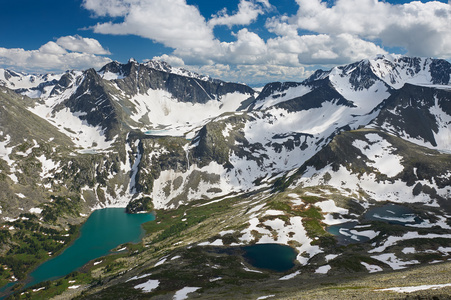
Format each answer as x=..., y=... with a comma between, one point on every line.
x=393, y=70
x=419, y=114
x=116, y=70
x=396, y=70
x=23, y=82
x=276, y=87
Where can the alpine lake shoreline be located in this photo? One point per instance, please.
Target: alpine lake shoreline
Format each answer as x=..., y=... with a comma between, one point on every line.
x=29, y=283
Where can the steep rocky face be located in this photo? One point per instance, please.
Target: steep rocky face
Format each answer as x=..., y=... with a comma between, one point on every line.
x=92, y=102
x=322, y=91
x=361, y=76
x=420, y=114
x=440, y=71
x=276, y=89
x=139, y=78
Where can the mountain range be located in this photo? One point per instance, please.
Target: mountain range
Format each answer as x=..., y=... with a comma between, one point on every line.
x=365, y=148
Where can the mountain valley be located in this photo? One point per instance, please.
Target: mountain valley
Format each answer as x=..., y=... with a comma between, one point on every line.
x=351, y=168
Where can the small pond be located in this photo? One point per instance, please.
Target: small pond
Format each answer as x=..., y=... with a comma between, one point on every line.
x=274, y=257
x=393, y=214
x=346, y=233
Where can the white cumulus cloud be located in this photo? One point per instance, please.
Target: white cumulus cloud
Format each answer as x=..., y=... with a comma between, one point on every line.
x=423, y=29
x=81, y=44
x=53, y=57
x=178, y=25
x=173, y=23
x=247, y=13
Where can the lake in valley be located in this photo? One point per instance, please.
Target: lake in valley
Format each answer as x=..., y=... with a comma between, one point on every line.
x=104, y=230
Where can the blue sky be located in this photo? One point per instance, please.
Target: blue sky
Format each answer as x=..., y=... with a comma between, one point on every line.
x=252, y=41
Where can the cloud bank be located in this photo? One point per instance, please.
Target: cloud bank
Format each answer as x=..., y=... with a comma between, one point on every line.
x=68, y=52
x=346, y=31
x=281, y=47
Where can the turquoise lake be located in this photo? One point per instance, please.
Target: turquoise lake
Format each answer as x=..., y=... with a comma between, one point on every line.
x=104, y=230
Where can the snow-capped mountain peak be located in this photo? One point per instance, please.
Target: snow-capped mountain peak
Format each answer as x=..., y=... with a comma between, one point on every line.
x=397, y=70
x=23, y=82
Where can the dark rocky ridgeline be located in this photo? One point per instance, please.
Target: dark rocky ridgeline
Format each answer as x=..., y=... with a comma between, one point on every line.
x=408, y=111
x=361, y=75
x=94, y=103
x=276, y=89
x=323, y=91
x=139, y=78
x=440, y=71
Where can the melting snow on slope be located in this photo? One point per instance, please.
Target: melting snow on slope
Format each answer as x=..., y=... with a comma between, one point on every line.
x=364, y=99
x=412, y=289
x=283, y=96
x=162, y=109
x=394, y=262
x=380, y=152
x=352, y=184
x=148, y=286
x=82, y=134
x=164, y=189
x=5, y=152
x=183, y=293
x=283, y=233
x=47, y=165
x=330, y=208
x=317, y=124
x=371, y=268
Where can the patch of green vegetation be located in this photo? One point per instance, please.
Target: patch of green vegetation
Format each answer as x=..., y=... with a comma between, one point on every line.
x=348, y=262
x=114, y=266
x=427, y=257
x=31, y=244
x=49, y=289
x=279, y=205
x=312, y=212
x=311, y=199
x=60, y=206
x=175, y=223
x=314, y=228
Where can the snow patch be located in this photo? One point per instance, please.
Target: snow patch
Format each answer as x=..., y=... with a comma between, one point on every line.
x=148, y=286
x=183, y=293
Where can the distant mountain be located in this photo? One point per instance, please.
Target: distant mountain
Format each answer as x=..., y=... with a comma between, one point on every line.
x=344, y=147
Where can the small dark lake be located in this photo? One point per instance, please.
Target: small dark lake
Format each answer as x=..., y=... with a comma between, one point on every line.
x=389, y=213
x=104, y=230
x=342, y=233
x=392, y=214
x=274, y=257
